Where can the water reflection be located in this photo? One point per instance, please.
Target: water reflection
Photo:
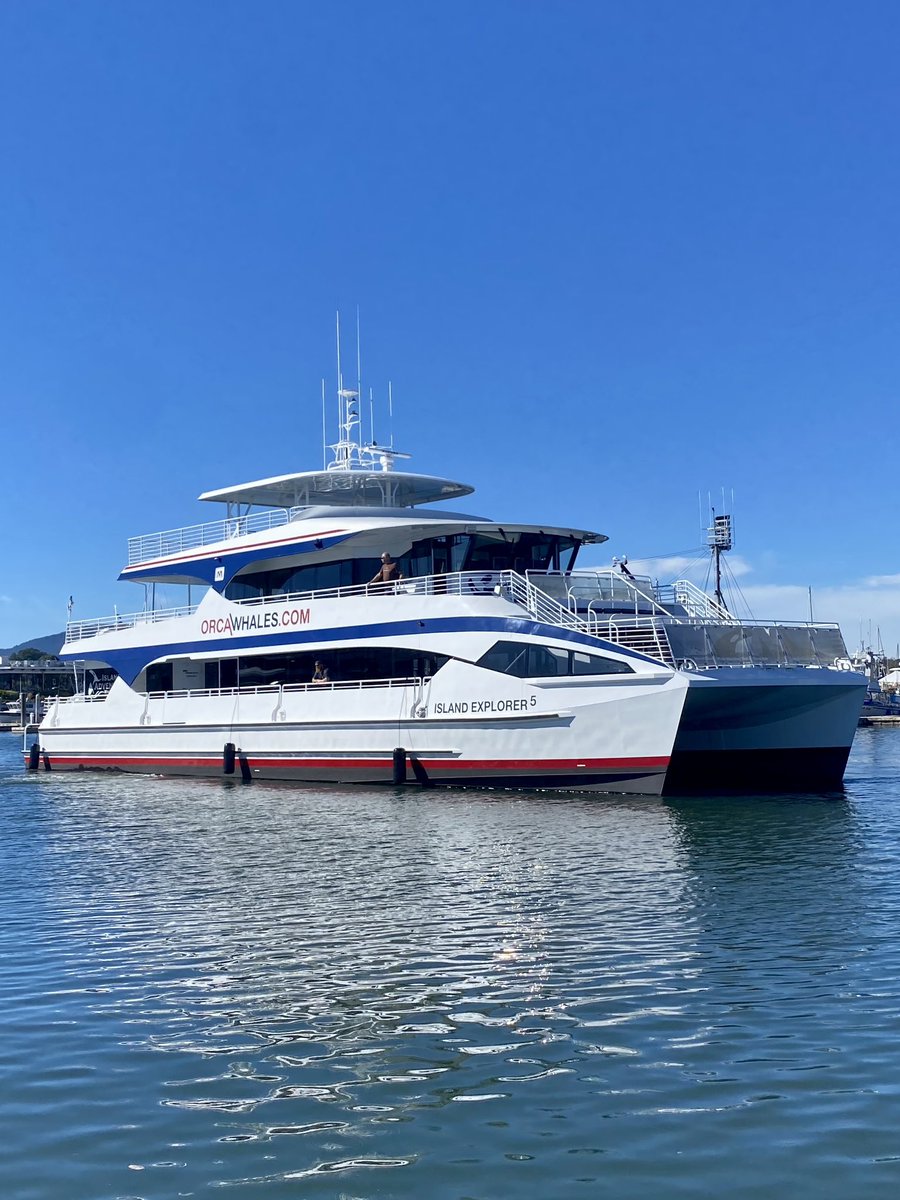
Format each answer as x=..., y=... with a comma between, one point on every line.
x=273, y=984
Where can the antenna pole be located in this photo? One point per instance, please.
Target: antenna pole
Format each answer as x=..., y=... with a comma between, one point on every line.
x=391, y=413
x=340, y=384
x=358, y=369
x=324, y=432
x=719, y=540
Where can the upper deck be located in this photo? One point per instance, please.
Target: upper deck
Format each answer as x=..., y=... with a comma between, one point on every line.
x=151, y=547
x=676, y=624
x=284, y=499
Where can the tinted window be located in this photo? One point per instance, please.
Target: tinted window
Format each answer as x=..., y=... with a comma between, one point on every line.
x=159, y=677
x=528, y=661
x=344, y=664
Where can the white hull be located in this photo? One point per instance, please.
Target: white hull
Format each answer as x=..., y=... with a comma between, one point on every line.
x=613, y=736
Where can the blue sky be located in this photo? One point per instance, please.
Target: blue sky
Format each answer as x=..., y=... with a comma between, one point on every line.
x=610, y=255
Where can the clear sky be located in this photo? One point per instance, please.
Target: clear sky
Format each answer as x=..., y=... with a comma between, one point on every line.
x=611, y=255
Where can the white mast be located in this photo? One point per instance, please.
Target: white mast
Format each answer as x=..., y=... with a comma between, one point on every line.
x=349, y=453
x=358, y=367
x=324, y=431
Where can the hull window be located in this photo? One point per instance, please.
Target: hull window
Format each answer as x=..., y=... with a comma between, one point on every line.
x=525, y=660
x=344, y=664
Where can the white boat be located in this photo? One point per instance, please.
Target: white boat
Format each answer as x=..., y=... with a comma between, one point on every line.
x=490, y=661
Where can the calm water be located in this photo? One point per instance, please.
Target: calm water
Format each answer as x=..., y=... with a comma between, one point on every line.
x=362, y=993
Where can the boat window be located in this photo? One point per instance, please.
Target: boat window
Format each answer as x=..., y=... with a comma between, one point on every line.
x=488, y=551
x=222, y=673
x=499, y=551
x=527, y=660
x=159, y=677
x=348, y=663
x=280, y=581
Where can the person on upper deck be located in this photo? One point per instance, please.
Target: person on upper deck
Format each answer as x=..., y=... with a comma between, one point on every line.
x=388, y=572
x=320, y=674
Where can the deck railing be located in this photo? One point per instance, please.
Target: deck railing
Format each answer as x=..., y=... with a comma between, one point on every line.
x=460, y=583
x=267, y=689
x=78, y=630
x=149, y=547
x=693, y=600
x=708, y=636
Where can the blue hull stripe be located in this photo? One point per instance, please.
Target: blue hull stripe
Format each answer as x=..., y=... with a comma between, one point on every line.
x=130, y=661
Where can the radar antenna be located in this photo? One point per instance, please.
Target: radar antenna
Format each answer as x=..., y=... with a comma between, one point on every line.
x=719, y=539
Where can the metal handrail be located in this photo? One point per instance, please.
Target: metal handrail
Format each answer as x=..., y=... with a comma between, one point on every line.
x=149, y=547
x=458, y=583
x=643, y=633
x=276, y=689
x=522, y=591
x=694, y=601
x=268, y=689
x=77, y=630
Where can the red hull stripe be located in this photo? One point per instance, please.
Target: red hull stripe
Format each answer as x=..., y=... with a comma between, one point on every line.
x=361, y=764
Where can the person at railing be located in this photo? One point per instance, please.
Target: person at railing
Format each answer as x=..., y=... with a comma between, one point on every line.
x=320, y=674
x=388, y=572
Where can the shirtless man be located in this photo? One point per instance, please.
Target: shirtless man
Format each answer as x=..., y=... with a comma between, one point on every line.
x=388, y=572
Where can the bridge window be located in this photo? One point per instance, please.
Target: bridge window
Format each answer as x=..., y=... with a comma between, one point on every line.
x=527, y=660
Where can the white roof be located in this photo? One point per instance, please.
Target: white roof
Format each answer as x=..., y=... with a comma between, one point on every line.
x=369, y=488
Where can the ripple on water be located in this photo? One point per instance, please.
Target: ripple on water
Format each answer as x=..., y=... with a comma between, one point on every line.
x=447, y=994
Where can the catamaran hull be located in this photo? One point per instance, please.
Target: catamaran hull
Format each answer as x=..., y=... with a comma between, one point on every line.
x=754, y=730
x=627, y=776
x=620, y=742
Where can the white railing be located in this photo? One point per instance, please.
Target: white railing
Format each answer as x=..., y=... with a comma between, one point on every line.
x=77, y=630
x=652, y=633
x=512, y=586
x=266, y=689
x=152, y=546
x=695, y=602
x=611, y=590
x=646, y=635
x=522, y=591
x=643, y=634
x=459, y=583
x=278, y=689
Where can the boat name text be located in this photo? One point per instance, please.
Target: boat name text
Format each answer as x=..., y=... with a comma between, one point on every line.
x=251, y=622
x=465, y=707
